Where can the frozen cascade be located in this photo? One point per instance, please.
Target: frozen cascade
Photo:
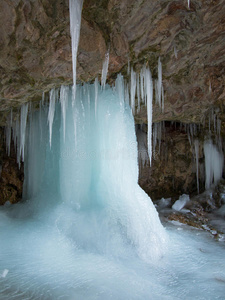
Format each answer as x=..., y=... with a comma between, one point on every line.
x=75, y=23
x=23, y=123
x=51, y=113
x=105, y=69
x=213, y=164
x=196, y=143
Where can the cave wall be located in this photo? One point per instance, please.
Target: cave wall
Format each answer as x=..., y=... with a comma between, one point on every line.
x=11, y=176
x=35, y=55
x=173, y=168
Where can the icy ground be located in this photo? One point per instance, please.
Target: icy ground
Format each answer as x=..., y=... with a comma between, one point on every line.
x=41, y=259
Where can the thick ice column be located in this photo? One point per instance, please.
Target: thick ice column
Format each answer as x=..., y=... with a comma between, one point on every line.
x=75, y=22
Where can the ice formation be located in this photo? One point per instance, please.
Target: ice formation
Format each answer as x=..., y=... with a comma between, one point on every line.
x=181, y=202
x=105, y=69
x=51, y=113
x=196, y=144
x=213, y=164
x=75, y=23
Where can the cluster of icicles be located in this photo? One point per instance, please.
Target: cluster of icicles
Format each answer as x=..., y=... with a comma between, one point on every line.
x=140, y=87
x=212, y=146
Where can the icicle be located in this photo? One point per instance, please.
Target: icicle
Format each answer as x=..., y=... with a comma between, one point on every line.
x=119, y=86
x=23, y=123
x=149, y=93
x=156, y=91
x=196, y=143
x=154, y=133
x=138, y=93
x=142, y=85
x=189, y=4
x=64, y=95
x=162, y=98
x=16, y=135
x=75, y=22
x=132, y=89
x=105, y=70
x=51, y=112
x=213, y=164
x=159, y=84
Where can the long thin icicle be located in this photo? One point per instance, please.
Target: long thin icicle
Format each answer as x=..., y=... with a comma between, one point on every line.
x=23, y=123
x=75, y=23
x=51, y=113
x=197, y=158
x=149, y=93
x=105, y=69
x=133, y=83
x=189, y=3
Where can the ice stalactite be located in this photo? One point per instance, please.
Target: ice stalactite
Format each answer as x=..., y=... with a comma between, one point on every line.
x=149, y=94
x=75, y=23
x=133, y=82
x=196, y=144
x=23, y=123
x=214, y=160
x=51, y=113
x=105, y=70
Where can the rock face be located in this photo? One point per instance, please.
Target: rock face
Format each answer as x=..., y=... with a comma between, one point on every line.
x=11, y=177
x=35, y=51
x=173, y=169
x=35, y=55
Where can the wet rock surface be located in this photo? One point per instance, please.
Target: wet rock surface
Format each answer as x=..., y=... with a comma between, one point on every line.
x=35, y=52
x=11, y=177
x=173, y=168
